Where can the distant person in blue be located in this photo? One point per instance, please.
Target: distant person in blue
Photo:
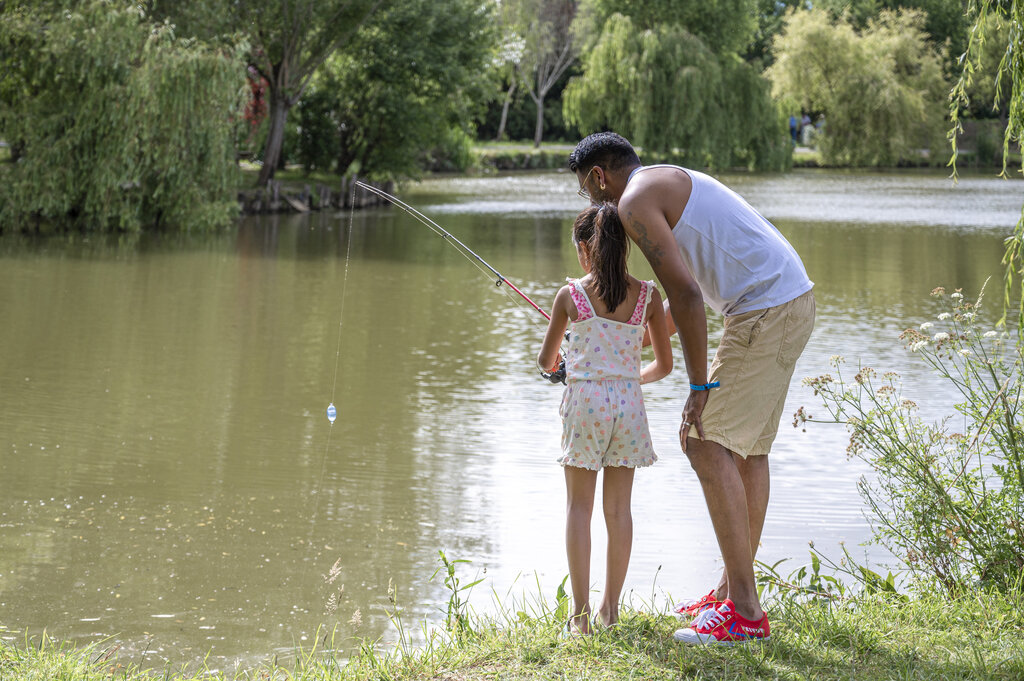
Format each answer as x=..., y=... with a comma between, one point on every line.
x=793, y=129
x=707, y=245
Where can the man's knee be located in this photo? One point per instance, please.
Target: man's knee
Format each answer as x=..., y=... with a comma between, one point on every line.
x=706, y=456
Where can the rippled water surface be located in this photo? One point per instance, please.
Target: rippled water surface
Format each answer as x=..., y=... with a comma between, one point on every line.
x=168, y=479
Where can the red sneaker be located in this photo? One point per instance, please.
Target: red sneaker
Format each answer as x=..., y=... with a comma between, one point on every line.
x=693, y=606
x=724, y=627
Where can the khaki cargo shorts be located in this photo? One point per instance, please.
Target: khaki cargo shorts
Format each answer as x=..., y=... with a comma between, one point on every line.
x=755, y=362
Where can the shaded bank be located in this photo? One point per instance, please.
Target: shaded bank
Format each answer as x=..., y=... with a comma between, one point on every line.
x=279, y=196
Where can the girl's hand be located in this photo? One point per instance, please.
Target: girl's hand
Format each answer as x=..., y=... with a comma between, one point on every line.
x=549, y=355
x=557, y=365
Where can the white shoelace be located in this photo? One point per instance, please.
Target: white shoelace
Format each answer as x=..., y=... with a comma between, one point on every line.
x=708, y=619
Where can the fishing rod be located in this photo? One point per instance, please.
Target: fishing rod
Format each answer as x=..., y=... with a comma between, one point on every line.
x=438, y=229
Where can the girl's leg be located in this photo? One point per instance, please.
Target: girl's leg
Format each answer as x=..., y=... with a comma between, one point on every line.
x=580, y=485
x=617, y=493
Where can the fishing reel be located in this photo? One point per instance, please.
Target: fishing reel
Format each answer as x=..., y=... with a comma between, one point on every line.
x=556, y=377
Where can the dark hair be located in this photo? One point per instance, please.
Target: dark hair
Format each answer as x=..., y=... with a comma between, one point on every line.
x=605, y=149
x=600, y=228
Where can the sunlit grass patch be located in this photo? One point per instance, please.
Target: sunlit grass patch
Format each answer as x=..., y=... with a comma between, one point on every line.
x=979, y=636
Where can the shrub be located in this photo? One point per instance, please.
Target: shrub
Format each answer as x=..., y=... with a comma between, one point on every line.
x=947, y=498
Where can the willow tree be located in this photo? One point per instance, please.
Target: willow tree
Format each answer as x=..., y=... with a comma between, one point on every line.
x=117, y=123
x=880, y=89
x=1010, y=72
x=665, y=88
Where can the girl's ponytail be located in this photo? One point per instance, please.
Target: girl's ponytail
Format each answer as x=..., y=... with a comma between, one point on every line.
x=600, y=227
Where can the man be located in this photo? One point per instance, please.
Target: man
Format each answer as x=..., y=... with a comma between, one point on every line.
x=707, y=245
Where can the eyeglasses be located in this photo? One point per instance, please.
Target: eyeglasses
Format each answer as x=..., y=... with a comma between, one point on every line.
x=583, y=193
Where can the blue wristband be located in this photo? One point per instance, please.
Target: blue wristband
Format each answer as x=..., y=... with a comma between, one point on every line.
x=706, y=386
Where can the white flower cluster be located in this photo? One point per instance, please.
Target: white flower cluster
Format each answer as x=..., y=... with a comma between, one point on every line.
x=918, y=345
x=926, y=326
x=941, y=336
x=944, y=316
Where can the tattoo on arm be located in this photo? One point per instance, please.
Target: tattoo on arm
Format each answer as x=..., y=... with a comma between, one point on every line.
x=652, y=250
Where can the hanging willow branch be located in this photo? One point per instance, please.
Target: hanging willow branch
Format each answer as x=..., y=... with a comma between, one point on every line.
x=119, y=124
x=1011, y=67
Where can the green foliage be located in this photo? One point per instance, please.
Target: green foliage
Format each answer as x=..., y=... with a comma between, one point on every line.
x=727, y=26
x=945, y=22
x=411, y=75
x=946, y=498
x=666, y=91
x=456, y=618
x=988, y=93
x=849, y=579
x=116, y=123
x=771, y=16
x=1008, y=81
x=881, y=89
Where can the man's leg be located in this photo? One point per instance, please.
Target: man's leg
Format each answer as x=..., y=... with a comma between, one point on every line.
x=726, y=499
x=756, y=487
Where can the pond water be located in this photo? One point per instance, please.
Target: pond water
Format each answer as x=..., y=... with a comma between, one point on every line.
x=169, y=482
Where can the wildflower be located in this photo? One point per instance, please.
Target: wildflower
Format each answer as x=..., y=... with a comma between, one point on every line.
x=836, y=360
x=926, y=326
x=938, y=291
x=918, y=345
x=991, y=334
x=956, y=295
x=818, y=383
x=800, y=417
x=940, y=337
x=964, y=352
x=944, y=316
x=908, y=404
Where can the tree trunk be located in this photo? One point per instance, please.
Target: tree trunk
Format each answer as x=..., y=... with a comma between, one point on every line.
x=538, y=132
x=504, y=110
x=275, y=136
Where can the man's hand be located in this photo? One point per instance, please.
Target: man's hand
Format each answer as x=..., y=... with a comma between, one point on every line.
x=691, y=416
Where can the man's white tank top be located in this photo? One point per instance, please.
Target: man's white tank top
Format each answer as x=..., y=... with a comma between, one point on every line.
x=740, y=260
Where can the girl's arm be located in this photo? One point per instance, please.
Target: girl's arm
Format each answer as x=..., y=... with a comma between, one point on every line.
x=657, y=327
x=547, y=358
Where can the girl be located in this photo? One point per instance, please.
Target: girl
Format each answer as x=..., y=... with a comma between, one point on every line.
x=604, y=425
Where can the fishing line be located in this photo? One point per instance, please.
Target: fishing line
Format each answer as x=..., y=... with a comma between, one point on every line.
x=332, y=412
x=482, y=265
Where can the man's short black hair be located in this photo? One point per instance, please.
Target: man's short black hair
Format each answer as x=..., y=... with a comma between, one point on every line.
x=606, y=149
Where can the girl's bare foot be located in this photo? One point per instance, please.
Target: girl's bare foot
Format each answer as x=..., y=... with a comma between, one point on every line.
x=579, y=625
x=608, y=615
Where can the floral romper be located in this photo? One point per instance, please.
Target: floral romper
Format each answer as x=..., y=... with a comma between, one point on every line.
x=603, y=418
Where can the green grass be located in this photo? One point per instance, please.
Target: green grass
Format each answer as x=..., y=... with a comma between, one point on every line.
x=979, y=637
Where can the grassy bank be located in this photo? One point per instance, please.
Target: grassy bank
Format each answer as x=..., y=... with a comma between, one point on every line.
x=807, y=157
x=490, y=157
x=875, y=637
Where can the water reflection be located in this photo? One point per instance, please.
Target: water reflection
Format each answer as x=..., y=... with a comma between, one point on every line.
x=168, y=476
